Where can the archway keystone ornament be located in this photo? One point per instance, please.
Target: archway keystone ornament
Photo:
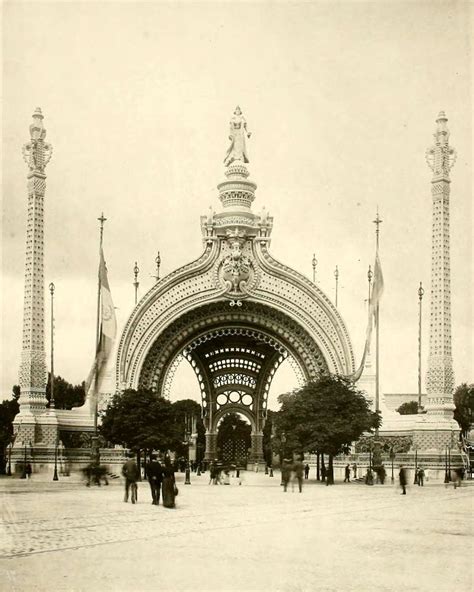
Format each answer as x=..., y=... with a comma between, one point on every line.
x=235, y=314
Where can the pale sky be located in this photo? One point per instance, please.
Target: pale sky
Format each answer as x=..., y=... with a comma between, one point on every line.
x=341, y=99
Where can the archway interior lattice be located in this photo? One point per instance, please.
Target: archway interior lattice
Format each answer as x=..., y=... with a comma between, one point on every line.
x=234, y=369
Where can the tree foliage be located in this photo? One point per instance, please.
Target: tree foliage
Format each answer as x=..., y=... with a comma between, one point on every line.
x=66, y=395
x=408, y=408
x=140, y=419
x=183, y=409
x=8, y=409
x=326, y=415
x=464, y=406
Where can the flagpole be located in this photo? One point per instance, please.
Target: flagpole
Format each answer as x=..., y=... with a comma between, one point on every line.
x=377, y=223
x=95, y=449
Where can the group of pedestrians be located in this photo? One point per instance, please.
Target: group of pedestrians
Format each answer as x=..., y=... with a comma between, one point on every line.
x=160, y=478
x=292, y=471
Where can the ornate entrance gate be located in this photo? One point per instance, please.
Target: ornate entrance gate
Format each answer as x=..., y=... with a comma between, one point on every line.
x=235, y=314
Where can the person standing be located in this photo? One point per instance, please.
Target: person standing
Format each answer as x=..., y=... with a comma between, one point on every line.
x=154, y=474
x=347, y=474
x=131, y=474
x=382, y=474
x=169, y=485
x=298, y=471
x=306, y=470
x=354, y=468
x=402, y=475
x=421, y=476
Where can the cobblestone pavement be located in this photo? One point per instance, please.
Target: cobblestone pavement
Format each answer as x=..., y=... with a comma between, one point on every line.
x=63, y=536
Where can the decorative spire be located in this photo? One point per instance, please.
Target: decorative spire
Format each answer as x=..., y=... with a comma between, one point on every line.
x=37, y=153
x=440, y=377
x=315, y=263
x=136, y=283
x=441, y=157
x=158, y=264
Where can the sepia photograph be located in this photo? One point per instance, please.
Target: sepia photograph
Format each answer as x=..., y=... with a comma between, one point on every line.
x=236, y=296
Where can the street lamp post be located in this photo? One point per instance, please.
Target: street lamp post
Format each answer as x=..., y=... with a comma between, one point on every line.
x=415, y=480
x=9, y=469
x=446, y=474
x=392, y=458
x=187, y=435
x=55, y=476
x=282, y=454
x=23, y=475
x=420, y=299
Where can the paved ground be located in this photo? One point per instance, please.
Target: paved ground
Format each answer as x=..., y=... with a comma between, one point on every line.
x=65, y=537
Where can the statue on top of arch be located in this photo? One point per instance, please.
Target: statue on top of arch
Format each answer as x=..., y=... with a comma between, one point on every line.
x=237, y=136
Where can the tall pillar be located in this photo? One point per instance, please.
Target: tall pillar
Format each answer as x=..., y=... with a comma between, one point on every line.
x=440, y=377
x=211, y=446
x=257, y=448
x=36, y=154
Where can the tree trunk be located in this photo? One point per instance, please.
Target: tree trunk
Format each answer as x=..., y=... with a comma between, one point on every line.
x=144, y=462
x=323, y=468
x=318, y=477
x=330, y=476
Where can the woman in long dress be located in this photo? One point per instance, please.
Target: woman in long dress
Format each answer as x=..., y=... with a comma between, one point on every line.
x=168, y=485
x=238, y=132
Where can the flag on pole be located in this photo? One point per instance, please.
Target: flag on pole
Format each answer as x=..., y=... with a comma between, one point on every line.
x=378, y=286
x=107, y=329
x=377, y=291
x=108, y=322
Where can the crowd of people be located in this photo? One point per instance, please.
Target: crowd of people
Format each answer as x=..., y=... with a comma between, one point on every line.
x=160, y=475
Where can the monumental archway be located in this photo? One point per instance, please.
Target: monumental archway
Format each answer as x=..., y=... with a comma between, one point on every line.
x=234, y=314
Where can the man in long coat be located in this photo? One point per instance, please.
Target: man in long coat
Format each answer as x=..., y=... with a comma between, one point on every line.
x=155, y=477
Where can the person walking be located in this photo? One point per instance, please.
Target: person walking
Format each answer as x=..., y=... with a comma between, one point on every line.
x=421, y=476
x=28, y=471
x=131, y=474
x=457, y=476
x=169, y=485
x=402, y=475
x=154, y=474
x=285, y=473
x=298, y=472
x=347, y=474
x=306, y=470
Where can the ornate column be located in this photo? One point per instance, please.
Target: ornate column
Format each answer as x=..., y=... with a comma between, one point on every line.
x=440, y=376
x=211, y=446
x=36, y=154
x=257, y=448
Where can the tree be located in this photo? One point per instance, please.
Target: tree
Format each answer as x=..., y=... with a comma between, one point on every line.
x=140, y=419
x=8, y=410
x=327, y=416
x=66, y=395
x=409, y=408
x=464, y=407
x=181, y=410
